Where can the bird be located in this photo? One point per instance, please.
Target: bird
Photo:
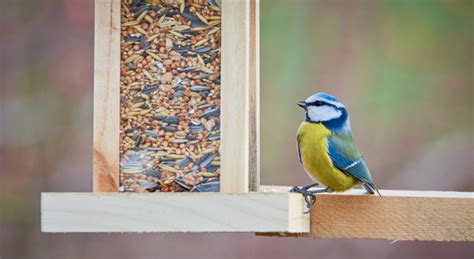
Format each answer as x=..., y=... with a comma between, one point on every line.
x=327, y=151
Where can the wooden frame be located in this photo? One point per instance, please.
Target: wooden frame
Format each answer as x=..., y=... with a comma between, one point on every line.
x=398, y=215
x=240, y=96
x=106, y=96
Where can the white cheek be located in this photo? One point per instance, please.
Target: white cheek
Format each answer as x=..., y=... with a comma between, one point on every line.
x=323, y=113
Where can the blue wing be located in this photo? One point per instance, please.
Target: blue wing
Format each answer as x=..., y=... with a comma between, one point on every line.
x=350, y=162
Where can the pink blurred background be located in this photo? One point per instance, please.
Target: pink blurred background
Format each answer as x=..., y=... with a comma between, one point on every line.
x=346, y=48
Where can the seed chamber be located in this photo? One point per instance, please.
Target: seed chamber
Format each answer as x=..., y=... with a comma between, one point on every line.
x=170, y=96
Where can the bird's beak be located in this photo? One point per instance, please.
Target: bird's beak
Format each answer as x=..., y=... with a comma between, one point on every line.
x=302, y=104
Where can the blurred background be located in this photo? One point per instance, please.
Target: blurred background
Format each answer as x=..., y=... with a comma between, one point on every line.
x=403, y=68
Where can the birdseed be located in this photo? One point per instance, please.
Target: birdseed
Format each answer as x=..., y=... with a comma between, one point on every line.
x=170, y=96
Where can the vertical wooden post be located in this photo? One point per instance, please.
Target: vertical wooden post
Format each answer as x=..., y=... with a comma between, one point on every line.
x=106, y=95
x=254, y=115
x=240, y=96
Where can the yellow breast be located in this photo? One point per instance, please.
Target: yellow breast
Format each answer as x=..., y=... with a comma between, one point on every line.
x=313, y=145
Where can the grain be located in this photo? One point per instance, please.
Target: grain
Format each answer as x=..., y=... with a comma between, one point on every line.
x=170, y=96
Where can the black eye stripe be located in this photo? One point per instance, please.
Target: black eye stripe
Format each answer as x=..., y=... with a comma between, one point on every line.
x=317, y=103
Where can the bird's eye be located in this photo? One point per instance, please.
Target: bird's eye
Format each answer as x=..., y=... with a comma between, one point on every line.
x=318, y=103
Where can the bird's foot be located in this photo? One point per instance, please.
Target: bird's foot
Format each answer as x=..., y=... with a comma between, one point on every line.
x=327, y=189
x=309, y=196
x=303, y=188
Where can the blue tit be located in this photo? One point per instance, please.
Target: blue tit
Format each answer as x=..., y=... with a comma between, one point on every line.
x=326, y=148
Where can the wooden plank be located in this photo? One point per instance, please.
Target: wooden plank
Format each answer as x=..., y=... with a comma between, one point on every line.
x=106, y=95
x=397, y=215
x=172, y=212
x=239, y=96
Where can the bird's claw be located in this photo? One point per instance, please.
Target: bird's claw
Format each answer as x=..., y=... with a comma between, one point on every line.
x=310, y=199
x=309, y=196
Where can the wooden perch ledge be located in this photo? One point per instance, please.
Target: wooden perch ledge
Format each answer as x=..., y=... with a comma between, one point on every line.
x=398, y=215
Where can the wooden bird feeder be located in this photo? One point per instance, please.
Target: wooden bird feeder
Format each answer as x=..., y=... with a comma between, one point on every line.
x=176, y=139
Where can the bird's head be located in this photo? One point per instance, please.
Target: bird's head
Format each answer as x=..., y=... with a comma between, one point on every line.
x=324, y=108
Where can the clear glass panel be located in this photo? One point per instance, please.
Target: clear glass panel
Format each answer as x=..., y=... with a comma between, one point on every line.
x=170, y=96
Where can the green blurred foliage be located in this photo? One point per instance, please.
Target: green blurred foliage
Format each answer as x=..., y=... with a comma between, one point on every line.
x=403, y=68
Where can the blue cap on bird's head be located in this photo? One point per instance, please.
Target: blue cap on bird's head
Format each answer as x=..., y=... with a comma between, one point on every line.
x=323, y=107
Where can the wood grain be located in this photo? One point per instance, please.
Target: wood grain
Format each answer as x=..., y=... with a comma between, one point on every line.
x=239, y=96
x=172, y=212
x=106, y=96
x=254, y=92
x=397, y=215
